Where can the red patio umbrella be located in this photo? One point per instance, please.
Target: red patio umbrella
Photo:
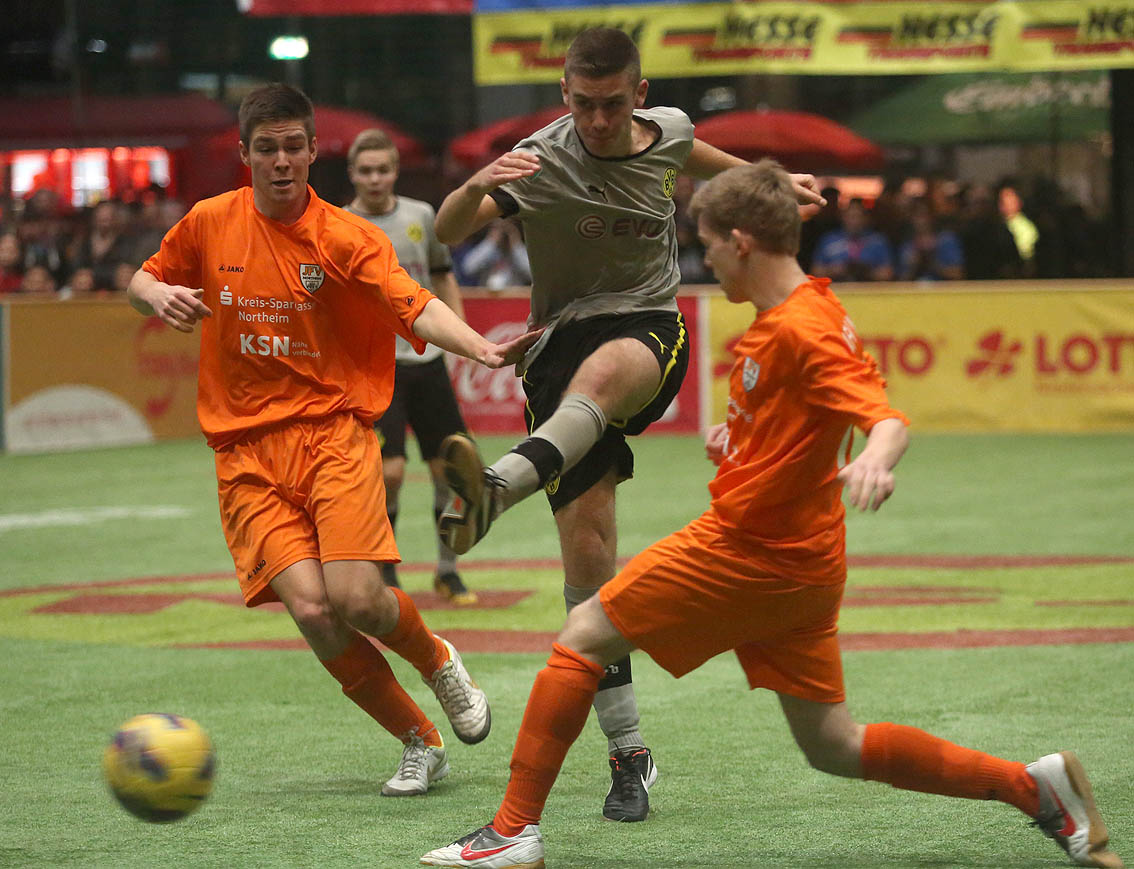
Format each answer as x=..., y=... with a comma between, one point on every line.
x=336, y=128
x=485, y=144
x=798, y=139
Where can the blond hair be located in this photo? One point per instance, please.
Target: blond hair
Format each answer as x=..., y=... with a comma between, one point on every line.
x=757, y=199
x=371, y=140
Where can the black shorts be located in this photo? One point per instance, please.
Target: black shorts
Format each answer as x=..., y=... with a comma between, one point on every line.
x=547, y=379
x=423, y=399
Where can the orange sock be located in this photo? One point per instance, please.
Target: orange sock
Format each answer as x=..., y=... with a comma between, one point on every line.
x=914, y=760
x=557, y=710
x=413, y=640
x=368, y=680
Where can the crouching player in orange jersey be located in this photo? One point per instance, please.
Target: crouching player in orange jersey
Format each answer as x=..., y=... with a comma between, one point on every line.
x=761, y=572
x=300, y=303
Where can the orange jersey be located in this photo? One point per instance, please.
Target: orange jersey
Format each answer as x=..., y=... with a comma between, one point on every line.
x=304, y=315
x=800, y=382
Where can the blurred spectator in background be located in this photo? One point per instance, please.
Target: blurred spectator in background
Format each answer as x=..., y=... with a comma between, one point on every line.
x=891, y=213
x=855, y=251
x=11, y=262
x=43, y=233
x=1024, y=232
x=106, y=245
x=989, y=250
x=691, y=254
x=1070, y=243
x=154, y=220
x=929, y=253
x=38, y=281
x=690, y=251
x=828, y=219
x=80, y=283
x=500, y=259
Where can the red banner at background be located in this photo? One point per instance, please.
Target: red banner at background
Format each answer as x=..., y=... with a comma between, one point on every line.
x=280, y=8
x=492, y=402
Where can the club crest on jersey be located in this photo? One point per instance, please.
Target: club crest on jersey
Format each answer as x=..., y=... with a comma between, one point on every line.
x=669, y=182
x=415, y=233
x=311, y=276
x=750, y=374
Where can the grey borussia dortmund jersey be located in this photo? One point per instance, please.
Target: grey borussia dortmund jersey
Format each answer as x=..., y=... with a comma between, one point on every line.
x=600, y=231
x=410, y=228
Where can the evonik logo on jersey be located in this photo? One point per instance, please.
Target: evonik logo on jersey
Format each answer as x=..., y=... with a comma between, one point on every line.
x=595, y=226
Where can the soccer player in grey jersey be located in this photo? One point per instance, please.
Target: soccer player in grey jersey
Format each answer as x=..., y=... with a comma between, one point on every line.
x=594, y=193
x=423, y=396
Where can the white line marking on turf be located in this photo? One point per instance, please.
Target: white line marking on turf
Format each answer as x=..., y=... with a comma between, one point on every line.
x=86, y=516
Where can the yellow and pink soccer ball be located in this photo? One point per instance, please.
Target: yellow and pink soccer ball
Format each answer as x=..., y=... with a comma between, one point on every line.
x=160, y=767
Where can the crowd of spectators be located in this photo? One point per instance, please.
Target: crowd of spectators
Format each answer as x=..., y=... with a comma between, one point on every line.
x=950, y=232
x=50, y=250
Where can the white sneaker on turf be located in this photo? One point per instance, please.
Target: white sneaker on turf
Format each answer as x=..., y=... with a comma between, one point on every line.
x=1068, y=813
x=487, y=849
x=420, y=767
x=463, y=702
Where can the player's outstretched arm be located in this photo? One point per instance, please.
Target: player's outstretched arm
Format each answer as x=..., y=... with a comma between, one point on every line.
x=469, y=207
x=176, y=306
x=705, y=161
x=869, y=479
x=438, y=325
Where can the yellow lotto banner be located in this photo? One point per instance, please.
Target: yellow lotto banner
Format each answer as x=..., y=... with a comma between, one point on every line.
x=846, y=38
x=979, y=358
x=93, y=373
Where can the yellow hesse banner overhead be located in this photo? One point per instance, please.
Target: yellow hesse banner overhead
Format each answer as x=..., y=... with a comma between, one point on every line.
x=982, y=359
x=867, y=38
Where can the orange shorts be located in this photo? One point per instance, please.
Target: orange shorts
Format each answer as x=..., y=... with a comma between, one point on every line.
x=694, y=595
x=307, y=489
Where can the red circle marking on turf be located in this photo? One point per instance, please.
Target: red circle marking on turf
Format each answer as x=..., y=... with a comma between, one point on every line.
x=540, y=641
x=945, y=562
x=89, y=601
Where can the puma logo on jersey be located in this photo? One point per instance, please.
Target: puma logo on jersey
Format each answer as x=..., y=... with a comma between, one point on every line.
x=600, y=192
x=661, y=343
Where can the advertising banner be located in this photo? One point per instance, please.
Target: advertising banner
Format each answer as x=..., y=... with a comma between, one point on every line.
x=282, y=8
x=88, y=374
x=515, y=42
x=492, y=402
x=978, y=359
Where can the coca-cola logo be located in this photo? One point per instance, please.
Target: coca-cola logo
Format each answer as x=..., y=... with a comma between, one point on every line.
x=477, y=385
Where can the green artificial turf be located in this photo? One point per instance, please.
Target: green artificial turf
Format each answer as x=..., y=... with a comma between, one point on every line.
x=300, y=767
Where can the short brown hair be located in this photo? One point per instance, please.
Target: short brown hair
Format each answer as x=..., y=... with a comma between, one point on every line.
x=757, y=199
x=275, y=102
x=371, y=140
x=601, y=51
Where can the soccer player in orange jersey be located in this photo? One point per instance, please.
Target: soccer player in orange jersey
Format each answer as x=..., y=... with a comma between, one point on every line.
x=299, y=304
x=761, y=572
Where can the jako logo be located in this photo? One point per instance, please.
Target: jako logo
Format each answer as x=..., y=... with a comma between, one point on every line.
x=592, y=226
x=997, y=356
x=263, y=345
